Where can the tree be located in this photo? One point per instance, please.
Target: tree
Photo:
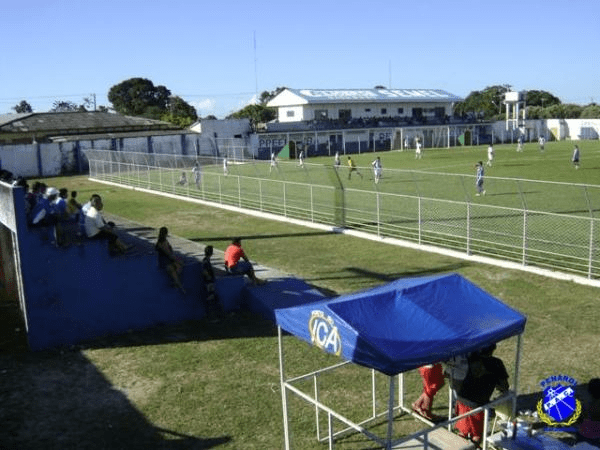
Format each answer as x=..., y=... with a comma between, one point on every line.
x=23, y=107
x=179, y=112
x=486, y=104
x=259, y=113
x=139, y=97
x=541, y=98
x=591, y=111
x=66, y=106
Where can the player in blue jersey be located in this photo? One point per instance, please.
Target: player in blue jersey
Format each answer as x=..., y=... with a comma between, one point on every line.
x=479, y=178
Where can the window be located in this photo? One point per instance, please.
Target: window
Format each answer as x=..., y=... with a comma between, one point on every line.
x=289, y=113
x=321, y=114
x=400, y=110
x=367, y=109
x=345, y=114
x=383, y=110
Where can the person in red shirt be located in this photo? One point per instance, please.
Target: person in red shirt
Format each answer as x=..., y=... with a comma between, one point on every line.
x=237, y=262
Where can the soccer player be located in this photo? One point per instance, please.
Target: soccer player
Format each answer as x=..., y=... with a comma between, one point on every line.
x=542, y=142
x=419, y=149
x=377, y=169
x=225, y=166
x=336, y=160
x=301, y=158
x=479, y=178
x=352, y=168
x=490, y=153
x=575, y=157
x=197, y=174
x=520, y=143
x=273, y=162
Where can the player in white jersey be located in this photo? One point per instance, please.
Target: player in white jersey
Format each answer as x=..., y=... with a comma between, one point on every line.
x=377, y=169
x=490, y=153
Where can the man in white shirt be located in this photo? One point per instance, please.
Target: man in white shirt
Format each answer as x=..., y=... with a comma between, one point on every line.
x=97, y=228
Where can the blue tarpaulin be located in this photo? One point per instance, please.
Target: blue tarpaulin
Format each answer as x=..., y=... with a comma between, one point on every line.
x=405, y=324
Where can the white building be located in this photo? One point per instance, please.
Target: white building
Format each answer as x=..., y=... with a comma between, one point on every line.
x=296, y=105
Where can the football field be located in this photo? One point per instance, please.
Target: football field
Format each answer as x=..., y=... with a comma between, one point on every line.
x=538, y=209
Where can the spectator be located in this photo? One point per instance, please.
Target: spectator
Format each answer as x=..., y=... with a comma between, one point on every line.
x=433, y=380
x=213, y=308
x=167, y=260
x=237, y=262
x=73, y=207
x=486, y=373
x=182, y=179
x=97, y=228
x=589, y=429
x=43, y=213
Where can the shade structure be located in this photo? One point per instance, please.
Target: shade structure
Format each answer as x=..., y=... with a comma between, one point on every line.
x=406, y=323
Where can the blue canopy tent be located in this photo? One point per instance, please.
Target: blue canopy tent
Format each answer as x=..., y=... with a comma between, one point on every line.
x=401, y=326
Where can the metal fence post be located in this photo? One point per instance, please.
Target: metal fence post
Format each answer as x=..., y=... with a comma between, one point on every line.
x=524, y=258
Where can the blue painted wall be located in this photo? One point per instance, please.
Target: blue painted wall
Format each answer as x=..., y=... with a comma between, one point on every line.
x=80, y=292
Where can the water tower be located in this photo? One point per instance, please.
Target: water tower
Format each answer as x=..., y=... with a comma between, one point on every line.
x=515, y=103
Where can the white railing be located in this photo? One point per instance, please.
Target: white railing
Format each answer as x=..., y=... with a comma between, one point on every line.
x=567, y=243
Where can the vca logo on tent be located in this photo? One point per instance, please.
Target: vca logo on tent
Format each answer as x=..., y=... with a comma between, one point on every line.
x=559, y=407
x=323, y=333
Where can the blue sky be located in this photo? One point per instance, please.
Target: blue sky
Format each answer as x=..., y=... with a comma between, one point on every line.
x=217, y=55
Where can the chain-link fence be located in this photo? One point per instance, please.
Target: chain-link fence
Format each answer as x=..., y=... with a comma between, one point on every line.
x=549, y=225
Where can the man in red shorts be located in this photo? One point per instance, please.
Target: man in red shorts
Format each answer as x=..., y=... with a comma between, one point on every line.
x=485, y=374
x=433, y=380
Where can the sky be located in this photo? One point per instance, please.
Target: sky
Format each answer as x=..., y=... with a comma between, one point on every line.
x=218, y=55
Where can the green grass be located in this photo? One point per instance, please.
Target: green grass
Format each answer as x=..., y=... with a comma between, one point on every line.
x=425, y=201
x=219, y=388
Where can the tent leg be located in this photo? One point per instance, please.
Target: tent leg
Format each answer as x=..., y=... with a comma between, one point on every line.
x=286, y=431
x=516, y=377
x=390, y=413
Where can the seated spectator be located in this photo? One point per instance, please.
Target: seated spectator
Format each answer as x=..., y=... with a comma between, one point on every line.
x=73, y=207
x=97, y=228
x=237, y=262
x=589, y=429
x=167, y=259
x=485, y=374
x=213, y=308
x=60, y=211
x=43, y=213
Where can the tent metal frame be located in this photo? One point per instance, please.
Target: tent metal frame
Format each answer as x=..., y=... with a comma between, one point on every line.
x=395, y=405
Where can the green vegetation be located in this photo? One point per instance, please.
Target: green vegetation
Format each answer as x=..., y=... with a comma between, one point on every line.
x=202, y=385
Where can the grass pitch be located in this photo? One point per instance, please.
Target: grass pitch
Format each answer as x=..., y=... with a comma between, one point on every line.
x=201, y=385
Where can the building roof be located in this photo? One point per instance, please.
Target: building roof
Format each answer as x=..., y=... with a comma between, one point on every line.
x=76, y=123
x=290, y=97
